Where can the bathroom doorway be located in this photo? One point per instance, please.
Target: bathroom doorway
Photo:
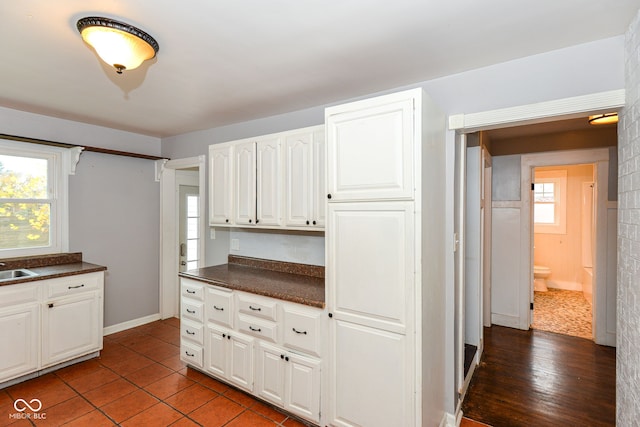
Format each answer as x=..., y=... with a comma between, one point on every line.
x=563, y=258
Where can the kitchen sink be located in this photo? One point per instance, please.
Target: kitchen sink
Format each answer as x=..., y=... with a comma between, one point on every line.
x=16, y=274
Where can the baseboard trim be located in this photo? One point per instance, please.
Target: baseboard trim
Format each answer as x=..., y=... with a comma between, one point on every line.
x=130, y=324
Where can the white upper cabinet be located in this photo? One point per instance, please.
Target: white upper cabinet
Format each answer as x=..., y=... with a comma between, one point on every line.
x=269, y=182
x=272, y=181
x=244, y=162
x=220, y=184
x=370, y=149
x=304, y=179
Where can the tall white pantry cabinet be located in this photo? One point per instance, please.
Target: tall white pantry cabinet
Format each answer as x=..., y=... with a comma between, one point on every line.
x=385, y=252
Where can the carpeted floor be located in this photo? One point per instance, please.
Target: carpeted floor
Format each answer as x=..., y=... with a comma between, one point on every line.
x=563, y=312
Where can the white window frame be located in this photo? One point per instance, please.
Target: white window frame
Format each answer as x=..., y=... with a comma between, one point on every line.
x=559, y=178
x=58, y=168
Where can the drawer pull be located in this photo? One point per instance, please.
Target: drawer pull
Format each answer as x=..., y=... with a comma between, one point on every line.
x=189, y=291
x=299, y=332
x=191, y=311
x=218, y=308
x=189, y=354
x=75, y=287
x=255, y=329
x=190, y=333
x=255, y=308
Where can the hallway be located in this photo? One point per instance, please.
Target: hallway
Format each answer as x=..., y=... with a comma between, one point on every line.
x=544, y=379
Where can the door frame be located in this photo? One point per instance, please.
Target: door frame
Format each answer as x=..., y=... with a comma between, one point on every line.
x=599, y=158
x=559, y=109
x=169, y=214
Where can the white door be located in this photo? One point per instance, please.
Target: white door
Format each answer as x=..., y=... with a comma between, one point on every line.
x=20, y=333
x=245, y=183
x=370, y=279
x=268, y=182
x=216, y=342
x=370, y=150
x=318, y=189
x=298, y=162
x=303, y=386
x=220, y=185
x=241, y=360
x=380, y=359
x=271, y=373
x=189, y=227
x=70, y=327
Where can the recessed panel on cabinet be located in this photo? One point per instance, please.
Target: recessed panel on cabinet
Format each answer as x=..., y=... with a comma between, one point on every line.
x=191, y=354
x=302, y=328
x=370, y=151
x=220, y=184
x=371, y=270
x=192, y=289
x=192, y=331
x=259, y=328
x=193, y=310
x=73, y=284
x=219, y=306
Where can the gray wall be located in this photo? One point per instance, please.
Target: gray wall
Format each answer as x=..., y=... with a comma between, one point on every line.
x=628, y=325
x=114, y=205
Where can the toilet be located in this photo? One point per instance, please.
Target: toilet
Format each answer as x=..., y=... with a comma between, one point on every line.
x=540, y=274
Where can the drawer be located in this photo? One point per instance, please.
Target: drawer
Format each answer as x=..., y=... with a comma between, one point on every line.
x=73, y=284
x=12, y=295
x=192, y=289
x=191, y=354
x=192, y=331
x=266, y=308
x=219, y=306
x=302, y=329
x=258, y=328
x=193, y=310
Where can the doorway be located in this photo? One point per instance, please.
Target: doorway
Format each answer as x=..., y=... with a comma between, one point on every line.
x=190, y=174
x=563, y=257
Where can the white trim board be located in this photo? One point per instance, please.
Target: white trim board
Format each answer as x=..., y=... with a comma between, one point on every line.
x=130, y=324
x=565, y=108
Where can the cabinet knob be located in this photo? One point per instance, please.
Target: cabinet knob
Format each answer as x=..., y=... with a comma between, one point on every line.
x=226, y=220
x=224, y=335
x=328, y=196
x=282, y=356
x=314, y=223
x=250, y=221
x=307, y=222
x=286, y=358
x=50, y=305
x=330, y=314
x=228, y=337
x=257, y=221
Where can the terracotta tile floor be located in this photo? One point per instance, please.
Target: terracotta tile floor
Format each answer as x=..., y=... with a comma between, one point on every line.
x=138, y=380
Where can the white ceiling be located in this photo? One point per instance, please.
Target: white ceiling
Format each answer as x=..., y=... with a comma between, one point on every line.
x=227, y=62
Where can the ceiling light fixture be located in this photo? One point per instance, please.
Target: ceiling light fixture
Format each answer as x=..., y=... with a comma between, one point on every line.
x=120, y=45
x=603, y=119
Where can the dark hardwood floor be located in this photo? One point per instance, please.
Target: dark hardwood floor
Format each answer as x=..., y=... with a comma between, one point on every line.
x=537, y=378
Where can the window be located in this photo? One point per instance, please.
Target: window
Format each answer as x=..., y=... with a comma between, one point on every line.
x=549, y=201
x=33, y=194
x=193, y=219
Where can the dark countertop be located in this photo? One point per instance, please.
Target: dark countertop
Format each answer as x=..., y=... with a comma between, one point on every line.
x=49, y=267
x=298, y=288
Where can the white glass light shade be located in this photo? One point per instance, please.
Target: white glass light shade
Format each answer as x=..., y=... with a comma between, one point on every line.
x=120, y=45
x=604, y=119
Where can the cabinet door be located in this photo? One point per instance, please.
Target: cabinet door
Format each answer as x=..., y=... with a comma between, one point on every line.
x=270, y=375
x=370, y=374
x=318, y=186
x=303, y=386
x=241, y=361
x=19, y=335
x=216, y=354
x=269, y=182
x=370, y=149
x=220, y=185
x=298, y=151
x=370, y=263
x=245, y=183
x=71, y=327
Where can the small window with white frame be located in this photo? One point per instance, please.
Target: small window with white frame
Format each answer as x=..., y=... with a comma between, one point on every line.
x=550, y=201
x=33, y=199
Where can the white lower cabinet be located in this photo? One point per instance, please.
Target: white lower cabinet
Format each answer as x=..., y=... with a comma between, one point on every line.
x=48, y=322
x=20, y=335
x=63, y=334
x=230, y=356
x=289, y=380
x=265, y=346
